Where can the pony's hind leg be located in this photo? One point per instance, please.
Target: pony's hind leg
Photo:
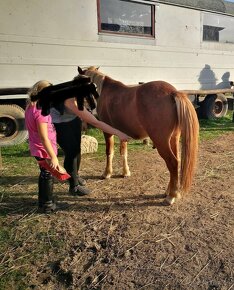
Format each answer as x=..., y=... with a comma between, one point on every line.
x=109, y=155
x=124, y=155
x=166, y=152
x=174, y=143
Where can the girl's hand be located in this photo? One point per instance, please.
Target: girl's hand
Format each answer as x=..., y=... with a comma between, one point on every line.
x=54, y=163
x=123, y=137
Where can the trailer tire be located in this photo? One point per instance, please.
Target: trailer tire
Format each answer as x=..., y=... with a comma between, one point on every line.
x=12, y=125
x=214, y=106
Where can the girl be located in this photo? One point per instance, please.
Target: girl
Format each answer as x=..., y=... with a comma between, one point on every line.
x=42, y=144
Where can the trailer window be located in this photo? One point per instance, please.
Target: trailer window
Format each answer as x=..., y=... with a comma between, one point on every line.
x=218, y=28
x=124, y=17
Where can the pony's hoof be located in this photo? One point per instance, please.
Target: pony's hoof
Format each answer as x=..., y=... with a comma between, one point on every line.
x=169, y=200
x=178, y=195
x=127, y=175
x=104, y=176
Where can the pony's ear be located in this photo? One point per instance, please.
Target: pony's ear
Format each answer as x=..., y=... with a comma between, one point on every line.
x=97, y=67
x=80, y=71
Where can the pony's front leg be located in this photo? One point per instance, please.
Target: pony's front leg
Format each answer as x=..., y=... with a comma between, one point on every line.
x=124, y=155
x=109, y=155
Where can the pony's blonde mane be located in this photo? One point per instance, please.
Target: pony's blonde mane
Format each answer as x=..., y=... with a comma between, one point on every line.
x=96, y=77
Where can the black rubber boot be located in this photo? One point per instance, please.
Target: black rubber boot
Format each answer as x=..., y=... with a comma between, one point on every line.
x=81, y=181
x=79, y=190
x=46, y=202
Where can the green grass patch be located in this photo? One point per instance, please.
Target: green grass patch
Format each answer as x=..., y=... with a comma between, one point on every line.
x=210, y=129
x=23, y=242
x=13, y=279
x=132, y=144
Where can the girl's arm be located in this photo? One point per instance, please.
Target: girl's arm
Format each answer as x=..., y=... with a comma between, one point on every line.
x=87, y=117
x=42, y=130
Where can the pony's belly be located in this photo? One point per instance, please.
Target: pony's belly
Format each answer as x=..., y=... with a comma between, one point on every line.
x=125, y=122
x=137, y=134
x=134, y=132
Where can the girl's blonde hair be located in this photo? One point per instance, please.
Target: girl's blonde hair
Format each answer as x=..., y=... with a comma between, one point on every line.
x=36, y=88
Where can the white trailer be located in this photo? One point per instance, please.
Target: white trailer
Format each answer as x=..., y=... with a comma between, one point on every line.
x=188, y=43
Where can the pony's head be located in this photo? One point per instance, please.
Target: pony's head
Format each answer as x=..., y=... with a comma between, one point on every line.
x=96, y=76
x=84, y=70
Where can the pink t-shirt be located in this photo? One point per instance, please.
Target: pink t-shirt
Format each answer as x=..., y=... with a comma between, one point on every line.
x=33, y=116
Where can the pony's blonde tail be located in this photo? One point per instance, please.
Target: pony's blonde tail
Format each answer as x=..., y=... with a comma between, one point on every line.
x=189, y=125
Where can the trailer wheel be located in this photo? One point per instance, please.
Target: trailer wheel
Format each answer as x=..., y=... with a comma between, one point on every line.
x=12, y=128
x=214, y=106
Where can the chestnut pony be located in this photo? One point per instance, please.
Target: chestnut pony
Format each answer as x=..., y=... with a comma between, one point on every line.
x=155, y=109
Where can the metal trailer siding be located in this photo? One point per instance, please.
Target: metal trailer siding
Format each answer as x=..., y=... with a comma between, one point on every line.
x=48, y=39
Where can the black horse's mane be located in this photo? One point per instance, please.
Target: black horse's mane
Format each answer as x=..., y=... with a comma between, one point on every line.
x=54, y=96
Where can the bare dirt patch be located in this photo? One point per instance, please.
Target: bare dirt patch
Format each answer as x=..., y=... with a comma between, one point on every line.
x=121, y=237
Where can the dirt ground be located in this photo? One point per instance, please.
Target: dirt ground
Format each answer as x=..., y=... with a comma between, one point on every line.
x=122, y=237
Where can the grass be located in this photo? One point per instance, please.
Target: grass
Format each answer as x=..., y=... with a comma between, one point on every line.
x=19, y=154
x=132, y=145
x=16, y=230
x=210, y=129
x=15, y=259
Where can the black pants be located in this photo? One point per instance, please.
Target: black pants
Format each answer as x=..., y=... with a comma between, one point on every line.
x=69, y=139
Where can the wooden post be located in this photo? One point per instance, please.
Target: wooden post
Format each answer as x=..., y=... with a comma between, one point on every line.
x=0, y=158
